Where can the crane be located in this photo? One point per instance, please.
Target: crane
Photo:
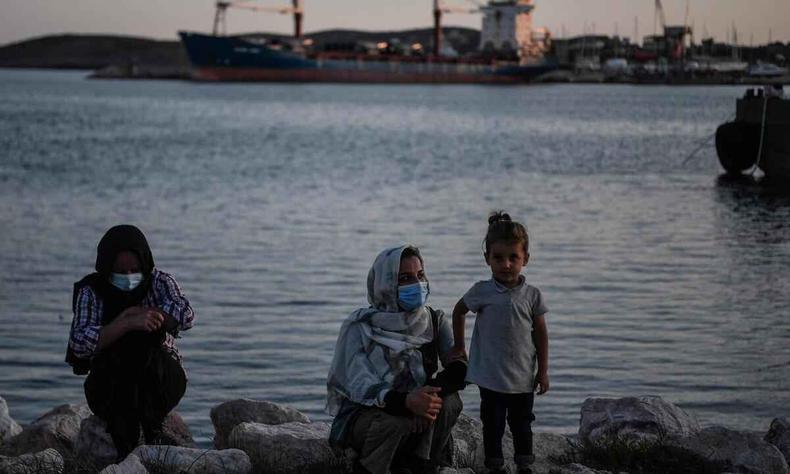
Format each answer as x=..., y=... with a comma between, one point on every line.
x=660, y=15
x=438, y=9
x=223, y=5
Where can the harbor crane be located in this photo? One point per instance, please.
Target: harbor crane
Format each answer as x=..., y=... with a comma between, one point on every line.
x=439, y=8
x=222, y=6
x=674, y=36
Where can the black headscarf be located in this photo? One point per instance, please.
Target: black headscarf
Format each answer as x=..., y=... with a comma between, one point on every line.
x=116, y=240
x=114, y=300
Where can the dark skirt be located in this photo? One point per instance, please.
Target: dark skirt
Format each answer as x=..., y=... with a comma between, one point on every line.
x=132, y=389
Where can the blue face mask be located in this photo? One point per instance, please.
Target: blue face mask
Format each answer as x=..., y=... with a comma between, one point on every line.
x=126, y=282
x=411, y=297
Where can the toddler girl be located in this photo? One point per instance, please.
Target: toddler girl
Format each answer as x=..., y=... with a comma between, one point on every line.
x=509, y=335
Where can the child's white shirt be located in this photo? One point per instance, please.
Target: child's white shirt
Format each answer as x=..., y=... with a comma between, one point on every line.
x=502, y=354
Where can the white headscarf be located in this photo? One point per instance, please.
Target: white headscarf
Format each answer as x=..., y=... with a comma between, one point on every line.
x=377, y=349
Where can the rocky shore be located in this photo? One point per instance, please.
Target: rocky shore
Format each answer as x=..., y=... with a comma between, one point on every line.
x=635, y=434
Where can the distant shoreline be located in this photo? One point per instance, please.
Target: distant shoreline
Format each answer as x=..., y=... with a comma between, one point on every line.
x=127, y=57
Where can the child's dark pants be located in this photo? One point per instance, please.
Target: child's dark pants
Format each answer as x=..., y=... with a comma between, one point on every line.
x=516, y=408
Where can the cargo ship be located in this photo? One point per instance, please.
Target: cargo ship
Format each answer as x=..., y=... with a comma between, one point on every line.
x=510, y=53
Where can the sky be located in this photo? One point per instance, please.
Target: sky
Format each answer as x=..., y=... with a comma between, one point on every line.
x=755, y=20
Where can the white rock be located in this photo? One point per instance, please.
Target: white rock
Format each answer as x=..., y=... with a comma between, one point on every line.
x=634, y=418
x=779, y=436
x=228, y=415
x=130, y=465
x=8, y=427
x=57, y=429
x=193, y=460
x=47, y=461
x=737, y=451
x=286, y=448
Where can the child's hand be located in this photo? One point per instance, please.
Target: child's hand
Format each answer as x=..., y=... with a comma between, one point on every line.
x=542, y=382
x=457, y=353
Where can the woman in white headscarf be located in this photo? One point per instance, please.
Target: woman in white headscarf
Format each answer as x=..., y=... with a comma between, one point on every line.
x=389, y=400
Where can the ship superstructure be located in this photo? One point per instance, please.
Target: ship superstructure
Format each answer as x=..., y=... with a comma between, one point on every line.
x=507, y=28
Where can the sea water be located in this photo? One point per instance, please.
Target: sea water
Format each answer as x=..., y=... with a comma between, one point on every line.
x=269, y=202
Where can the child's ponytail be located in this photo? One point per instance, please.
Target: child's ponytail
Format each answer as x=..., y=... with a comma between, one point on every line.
x=501, y=228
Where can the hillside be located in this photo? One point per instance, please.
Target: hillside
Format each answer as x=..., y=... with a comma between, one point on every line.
x=91, y=52
x=119, y=52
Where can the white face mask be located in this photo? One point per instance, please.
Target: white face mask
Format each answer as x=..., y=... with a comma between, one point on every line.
x=126, y=282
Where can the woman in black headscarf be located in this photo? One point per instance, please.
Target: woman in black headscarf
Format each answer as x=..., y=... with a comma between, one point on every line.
x=126, y=317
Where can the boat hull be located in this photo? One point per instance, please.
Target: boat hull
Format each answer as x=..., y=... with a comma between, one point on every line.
x=216, y=58
x=738, y=142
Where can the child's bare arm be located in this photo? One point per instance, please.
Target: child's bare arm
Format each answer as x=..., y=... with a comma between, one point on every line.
x=459, y=326
x=540, y=337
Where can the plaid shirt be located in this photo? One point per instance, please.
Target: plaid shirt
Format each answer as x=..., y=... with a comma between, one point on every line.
x=165, y=294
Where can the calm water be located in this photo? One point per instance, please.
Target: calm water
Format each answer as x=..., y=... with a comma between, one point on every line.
x=269, y=203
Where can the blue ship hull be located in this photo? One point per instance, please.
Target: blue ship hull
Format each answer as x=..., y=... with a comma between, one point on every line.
x=220, y=58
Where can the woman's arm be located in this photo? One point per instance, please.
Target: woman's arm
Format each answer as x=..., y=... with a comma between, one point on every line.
x=88, y=336
x=86, y=325
x=172, y=303
x=540, y=337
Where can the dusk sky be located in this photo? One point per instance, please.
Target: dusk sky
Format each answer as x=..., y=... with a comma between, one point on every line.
x=755, y=20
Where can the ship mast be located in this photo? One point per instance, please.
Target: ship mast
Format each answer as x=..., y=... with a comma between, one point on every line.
x=437, y=28
x=298, y=12
x=438, y=10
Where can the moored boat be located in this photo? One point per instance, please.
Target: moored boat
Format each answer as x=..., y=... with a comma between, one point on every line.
x=759, y=137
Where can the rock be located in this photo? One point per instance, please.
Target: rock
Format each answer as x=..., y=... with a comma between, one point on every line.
x=95, y=448
x=634, y=418
x=735, y=450
x=779, y=436
x=548, y=448
x=48, y=461
x=468, y=444
x=227, y=415
x=452, y=470
x=177, y=430
x=57, y=429
x=193, y=460
x=576, y=468
x=468, y=451
x=130, y=465
x=8, y=427
x=287, y=448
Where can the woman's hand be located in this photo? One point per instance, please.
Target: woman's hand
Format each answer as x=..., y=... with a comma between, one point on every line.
x=424, y=402
x=142, y=319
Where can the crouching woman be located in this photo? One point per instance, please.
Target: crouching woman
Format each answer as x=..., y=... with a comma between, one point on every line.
x=126, y=317
x=390, y=402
